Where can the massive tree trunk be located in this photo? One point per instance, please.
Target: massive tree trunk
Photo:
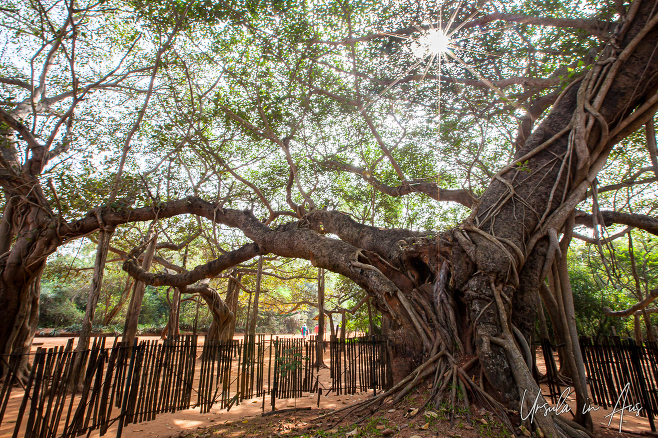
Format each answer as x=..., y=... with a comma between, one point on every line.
x=29, y=234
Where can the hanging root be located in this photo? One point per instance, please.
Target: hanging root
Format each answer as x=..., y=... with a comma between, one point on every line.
x=447, y=377
x=550, y=425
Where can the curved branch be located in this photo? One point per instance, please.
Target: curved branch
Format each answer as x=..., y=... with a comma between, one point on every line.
x=428, y=188
x=207, y=270
x=641, y=221
x=652, y=295
x=291, y=240
x=172, y=246
x=384, y=242
x=22, y=130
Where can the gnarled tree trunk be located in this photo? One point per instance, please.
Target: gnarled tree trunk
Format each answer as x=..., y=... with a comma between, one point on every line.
x=30, y=235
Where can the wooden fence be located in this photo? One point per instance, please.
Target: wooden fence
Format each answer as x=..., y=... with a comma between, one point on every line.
x=118, y=384
x=622, y=370
x=358, y=363
x=125, y=384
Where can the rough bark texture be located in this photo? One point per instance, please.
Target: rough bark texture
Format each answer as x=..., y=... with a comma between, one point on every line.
x=135, y=307
x=125, y=294
x=254, y=314
x=173, y=326
x=222, y=317
x=319, y=346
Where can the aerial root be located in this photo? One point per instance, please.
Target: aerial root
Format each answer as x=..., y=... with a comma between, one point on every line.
x=453, y=395
x=552, y=425
x=408, y=382
x=571, y=425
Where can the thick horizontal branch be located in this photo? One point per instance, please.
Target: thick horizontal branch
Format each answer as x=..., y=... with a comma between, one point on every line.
x=641, y=221
x=172, y=246
x=294, y=240
x=633, y=309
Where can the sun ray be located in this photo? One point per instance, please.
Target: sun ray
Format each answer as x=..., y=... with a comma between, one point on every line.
x=487, y=82
x=454, y=15
x=429, y=64
x=465, y=22
x=437, y=43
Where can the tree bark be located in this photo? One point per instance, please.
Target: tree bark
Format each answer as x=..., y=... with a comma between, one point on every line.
x=109, y=316
x=232, y=295
x=173, y=327
x=32, y=235
x=135, y=307
x=319, y=346
x=104, y=238
x=579, y=376
x=221, y=314
x=254, y=313
x=637, y=329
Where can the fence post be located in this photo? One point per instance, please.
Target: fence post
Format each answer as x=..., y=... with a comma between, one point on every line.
x=276, y=370
x=374, y=375
x=635, y=357
x=129, y=375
